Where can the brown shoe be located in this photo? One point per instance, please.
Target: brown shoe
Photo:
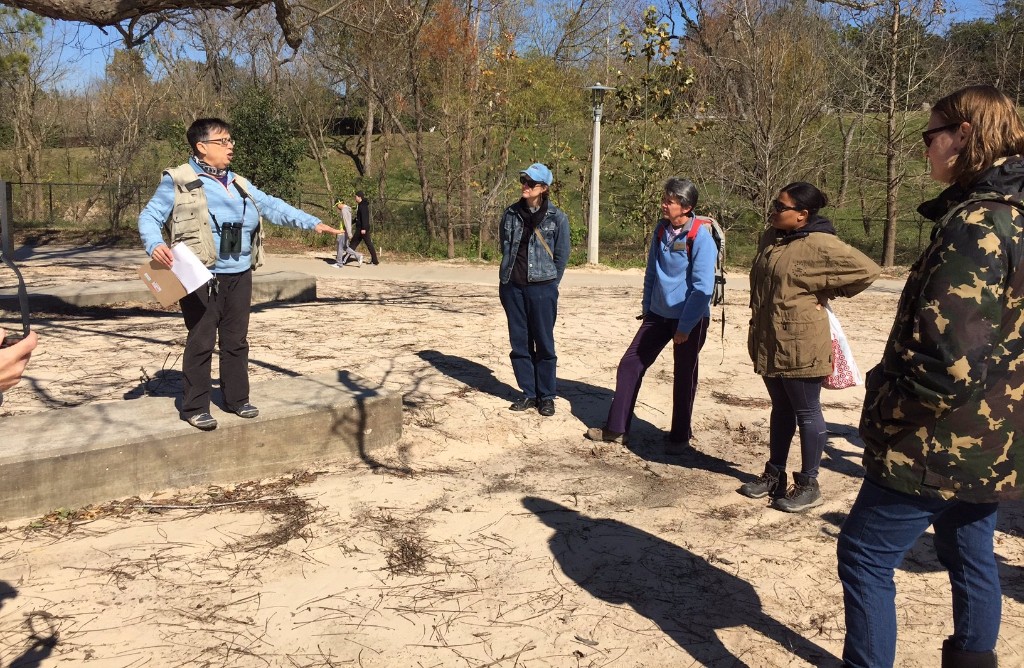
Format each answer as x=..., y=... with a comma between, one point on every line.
x=675, y=448
x=602, y=434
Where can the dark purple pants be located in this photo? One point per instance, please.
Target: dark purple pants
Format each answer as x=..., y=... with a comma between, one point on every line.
x=654, y=334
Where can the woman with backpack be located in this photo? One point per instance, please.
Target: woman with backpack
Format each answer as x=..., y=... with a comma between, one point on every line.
x=678, y=285
x=800, y=265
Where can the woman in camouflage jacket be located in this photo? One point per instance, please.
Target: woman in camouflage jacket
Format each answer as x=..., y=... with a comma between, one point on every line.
x=943, y=432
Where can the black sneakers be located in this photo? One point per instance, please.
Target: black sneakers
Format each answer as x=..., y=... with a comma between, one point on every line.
x=772, y=481
x=545, y=407
x=804, y=494
x=523, y=404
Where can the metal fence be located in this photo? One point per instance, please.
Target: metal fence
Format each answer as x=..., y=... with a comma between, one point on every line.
x=399, y=223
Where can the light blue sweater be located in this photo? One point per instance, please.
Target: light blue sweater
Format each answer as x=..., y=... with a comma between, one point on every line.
x=678, y=284
x=226, y=205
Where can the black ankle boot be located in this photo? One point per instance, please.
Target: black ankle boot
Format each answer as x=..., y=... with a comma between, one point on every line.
x=958, y=658
x=772, y=482
x=804, y=494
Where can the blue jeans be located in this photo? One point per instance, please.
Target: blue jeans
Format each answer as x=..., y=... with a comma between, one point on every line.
x=796, y=402
x=531, y=311
x=883, y=524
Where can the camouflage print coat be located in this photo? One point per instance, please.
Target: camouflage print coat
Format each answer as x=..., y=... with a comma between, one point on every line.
x=943, y=413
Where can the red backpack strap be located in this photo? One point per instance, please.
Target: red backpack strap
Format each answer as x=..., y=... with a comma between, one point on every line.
x=692, y=234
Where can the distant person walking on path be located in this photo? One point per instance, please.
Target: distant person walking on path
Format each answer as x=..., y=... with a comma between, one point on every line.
x=345, y=252
x=363, y=226
x=217, y=214
x=534, y=252
x=678, y=285
x=942, y=423
x=800, y=265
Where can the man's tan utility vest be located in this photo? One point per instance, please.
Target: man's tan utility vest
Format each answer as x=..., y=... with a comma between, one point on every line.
x=190, y=216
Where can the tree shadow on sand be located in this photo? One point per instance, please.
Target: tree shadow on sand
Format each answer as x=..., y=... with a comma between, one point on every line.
x=41, y=629
x=687, y=597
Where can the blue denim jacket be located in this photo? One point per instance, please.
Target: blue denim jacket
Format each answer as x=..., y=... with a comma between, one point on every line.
x=542, y=267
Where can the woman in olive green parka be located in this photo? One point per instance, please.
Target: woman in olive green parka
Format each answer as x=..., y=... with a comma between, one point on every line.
x=800, y=265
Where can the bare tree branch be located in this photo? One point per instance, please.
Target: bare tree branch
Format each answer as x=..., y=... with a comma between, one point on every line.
x=113, y=12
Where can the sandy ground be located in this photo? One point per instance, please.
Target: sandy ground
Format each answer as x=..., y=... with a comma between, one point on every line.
x=485, y=537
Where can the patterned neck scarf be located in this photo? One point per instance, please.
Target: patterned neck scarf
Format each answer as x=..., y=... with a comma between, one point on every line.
x=209, y=169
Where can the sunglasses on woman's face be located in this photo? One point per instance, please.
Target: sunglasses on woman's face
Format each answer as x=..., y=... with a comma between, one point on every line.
x=779, y=207
x=928, y=135
x=530, y=183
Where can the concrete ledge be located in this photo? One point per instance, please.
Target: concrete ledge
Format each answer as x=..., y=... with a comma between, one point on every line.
x=290, y=286
x=92, y=454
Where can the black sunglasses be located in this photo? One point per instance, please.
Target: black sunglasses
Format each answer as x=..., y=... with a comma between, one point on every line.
x=928, y=135
x=530, y=182
x=779, y=207
x=10, y=339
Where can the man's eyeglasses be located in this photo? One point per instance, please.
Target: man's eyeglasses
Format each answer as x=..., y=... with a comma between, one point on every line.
x=779, y=207
x=223, y=141
x=530, y=182
x=928, y=135
x=12, y=337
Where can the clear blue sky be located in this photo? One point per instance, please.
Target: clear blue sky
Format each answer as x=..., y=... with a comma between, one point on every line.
x=89, y=49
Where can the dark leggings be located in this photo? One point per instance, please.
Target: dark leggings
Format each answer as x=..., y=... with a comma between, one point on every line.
x=796, y=403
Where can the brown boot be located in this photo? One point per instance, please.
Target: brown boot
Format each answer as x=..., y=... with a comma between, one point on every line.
x=602, y=434
x=958, y=658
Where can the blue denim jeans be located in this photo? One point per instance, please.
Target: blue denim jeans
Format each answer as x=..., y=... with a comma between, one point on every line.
x=531, y=311
x=883, y=524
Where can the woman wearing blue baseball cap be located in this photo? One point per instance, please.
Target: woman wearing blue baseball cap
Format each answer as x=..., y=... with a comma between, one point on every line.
x=534, y=252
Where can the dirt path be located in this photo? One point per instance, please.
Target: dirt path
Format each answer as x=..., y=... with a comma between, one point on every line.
x=483, y=538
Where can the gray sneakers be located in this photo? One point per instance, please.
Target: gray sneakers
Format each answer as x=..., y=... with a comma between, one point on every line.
x=772, y=481
x=203, y=421
x=247, y=411
x=804, y=494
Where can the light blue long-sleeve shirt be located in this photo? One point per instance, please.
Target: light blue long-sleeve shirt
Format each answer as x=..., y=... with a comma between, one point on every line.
x=678, y=283
x=226, y=205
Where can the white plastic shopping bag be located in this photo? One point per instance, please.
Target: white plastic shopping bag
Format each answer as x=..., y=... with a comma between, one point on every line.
x=844, y=369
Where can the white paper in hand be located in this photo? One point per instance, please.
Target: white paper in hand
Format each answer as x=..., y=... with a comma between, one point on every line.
x=189, y=270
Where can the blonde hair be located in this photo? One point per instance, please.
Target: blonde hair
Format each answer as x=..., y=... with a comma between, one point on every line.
x=996, y=129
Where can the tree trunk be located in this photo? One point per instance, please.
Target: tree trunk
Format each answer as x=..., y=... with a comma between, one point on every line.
x=371, y=113
x=892, y=179
x=844, y=174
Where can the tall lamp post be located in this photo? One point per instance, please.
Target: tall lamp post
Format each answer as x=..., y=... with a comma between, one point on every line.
x=597, y=93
